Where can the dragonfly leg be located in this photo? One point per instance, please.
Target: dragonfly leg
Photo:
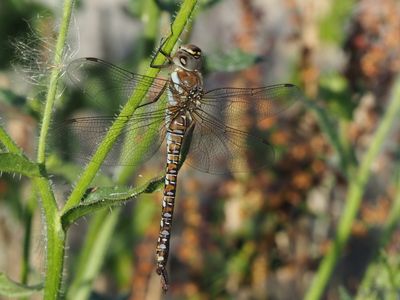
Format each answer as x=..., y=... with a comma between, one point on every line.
x=166, y=55
x=165, y=65
x=156, y=98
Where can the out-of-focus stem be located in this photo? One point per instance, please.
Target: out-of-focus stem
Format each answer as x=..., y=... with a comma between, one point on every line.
x=354, y=196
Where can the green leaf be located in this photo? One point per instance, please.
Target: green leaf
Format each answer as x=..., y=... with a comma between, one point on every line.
x=234, y=60
x=14, y=163
x=9, y=288
x=103, y=197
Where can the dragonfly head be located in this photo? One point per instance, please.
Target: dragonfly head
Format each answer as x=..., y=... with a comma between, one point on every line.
x=188, y=57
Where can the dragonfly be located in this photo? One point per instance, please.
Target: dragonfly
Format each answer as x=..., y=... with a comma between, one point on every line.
x=204, y=121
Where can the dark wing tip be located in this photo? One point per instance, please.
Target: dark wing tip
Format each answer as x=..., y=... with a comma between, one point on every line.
x=92, y=59
x=289, y=85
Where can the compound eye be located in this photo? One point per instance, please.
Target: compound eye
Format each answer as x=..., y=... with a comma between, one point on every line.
x=182, y=60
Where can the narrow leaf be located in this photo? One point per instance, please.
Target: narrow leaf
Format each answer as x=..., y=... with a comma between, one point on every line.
x=102, y=197
x=14, y=163
x=12, y=289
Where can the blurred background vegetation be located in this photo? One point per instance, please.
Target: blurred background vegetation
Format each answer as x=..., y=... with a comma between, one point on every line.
x=258, y=236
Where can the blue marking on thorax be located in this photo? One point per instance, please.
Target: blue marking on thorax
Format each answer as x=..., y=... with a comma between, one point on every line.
x=172, y=101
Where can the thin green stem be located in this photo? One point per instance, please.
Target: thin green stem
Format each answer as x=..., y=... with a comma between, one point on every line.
x=354, y=196
x=387, y=231
x=55, y=240
x=7, y=141
x=26, y=246
x=55, y=236
x=349, y=161
x=54, y=76
x=28, y=215
x=92, y=254
x=140, y=92
x=150, y=16
x=394, y=217
x=334, y=137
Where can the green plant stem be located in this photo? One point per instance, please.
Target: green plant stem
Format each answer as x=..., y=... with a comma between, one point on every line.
x=55, y=236
x=349, y=161
x=30, y=208
x=92, y=254
x=54, y=76
x=393, y=219
x=335, y=138
x=387, y=231
x=7, y=141
x=55, y=240
x=140, y=92
x=150, y=16
x=354, y=196
x=27, y=242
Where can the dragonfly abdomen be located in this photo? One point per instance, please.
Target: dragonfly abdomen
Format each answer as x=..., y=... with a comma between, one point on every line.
x=175, y=134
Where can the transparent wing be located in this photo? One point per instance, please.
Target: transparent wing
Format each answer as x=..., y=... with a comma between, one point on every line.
x=136, y=140
x=265, y=101
x=216, y=148
x=104, y=82
x=220, y=141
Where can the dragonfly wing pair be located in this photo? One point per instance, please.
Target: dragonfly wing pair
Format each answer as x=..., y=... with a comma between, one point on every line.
x=219, y=142
x=221, y=139
x=107, y=86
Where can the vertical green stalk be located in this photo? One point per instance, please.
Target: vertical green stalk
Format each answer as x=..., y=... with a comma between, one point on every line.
x=387, y=231
x=335, y=139
x=354, y=196
x=55, y=236
x=92, y=254
x=30, y=208
x=349, y=160
x=54, y=76
x=55, y=240
x=150, y=17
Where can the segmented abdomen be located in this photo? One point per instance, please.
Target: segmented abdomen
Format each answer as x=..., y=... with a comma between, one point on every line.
x=175, y=134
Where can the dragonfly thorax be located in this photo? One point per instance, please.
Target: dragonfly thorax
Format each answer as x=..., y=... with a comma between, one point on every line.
x=186, y=89
x=192, y=100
